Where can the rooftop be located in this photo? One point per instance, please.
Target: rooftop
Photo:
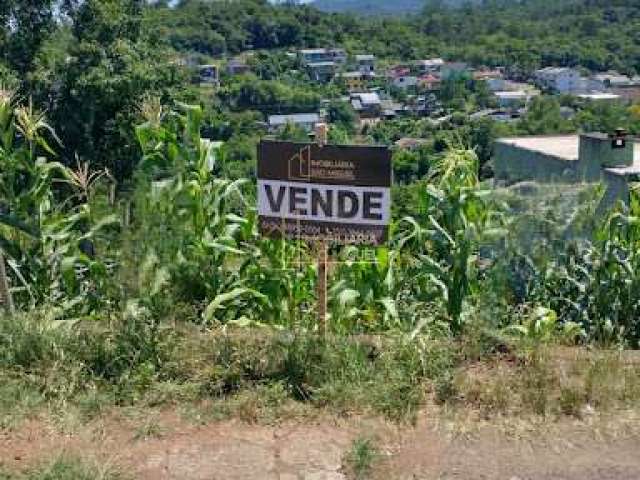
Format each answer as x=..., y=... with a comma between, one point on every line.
x=367, y=98
x=294, y=118
x=431, y=62
x=561, y=146
x=513, y=94
x=567, y=147
x=351, y=74
x=554, y=70
x=321, y=64
x=599, y=96
x=613, y=77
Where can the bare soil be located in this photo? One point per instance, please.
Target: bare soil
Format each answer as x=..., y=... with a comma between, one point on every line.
x=173, y=448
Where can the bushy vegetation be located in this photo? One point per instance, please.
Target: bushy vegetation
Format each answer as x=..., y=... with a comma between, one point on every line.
x=128, y=225
x=114, y=298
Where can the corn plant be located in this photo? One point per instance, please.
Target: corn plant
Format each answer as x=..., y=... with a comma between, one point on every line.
x=595, y=283
x=206, y=229
x=541, y=326
x=43, y=238
x=444, y=244
x=364, y=290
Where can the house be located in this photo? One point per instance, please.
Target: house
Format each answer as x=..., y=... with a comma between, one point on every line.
x=606, y=80
x=321, y=71
x=503, y=85
x=600, y=97
x=484, y=75
x=509, y=99
x=425, y=105
x=593, y=157
x=322, y=63
x=391, y=109
x=493, y=78
x=307, y=121
x=366, y=64
x=317, y=55
x=354, y=81
x=432, y=65
x=627, y=88
x=497, y=85
x=208, y=75
x=237, y=67
x=429, y=81
x=560, y=80
x=367, y=105
x=405, y=81
x=567, y=112
x=505, y=117
x=397, y=71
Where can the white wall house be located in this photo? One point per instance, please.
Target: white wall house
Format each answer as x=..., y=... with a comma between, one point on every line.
x=512, y=99
x=431, y=65
x=367, y=105
x=612, y=79
x=560, y=79
x=600, y=97
x=405, y=81
x=315, y=55
x=307, y=121
x=366, y=64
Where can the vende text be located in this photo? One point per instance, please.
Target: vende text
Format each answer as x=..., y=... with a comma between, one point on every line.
x=328, y=203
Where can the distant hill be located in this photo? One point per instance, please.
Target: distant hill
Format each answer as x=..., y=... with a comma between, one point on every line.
x=371, y=7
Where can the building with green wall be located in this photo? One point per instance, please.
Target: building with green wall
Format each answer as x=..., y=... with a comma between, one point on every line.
x=613, y=160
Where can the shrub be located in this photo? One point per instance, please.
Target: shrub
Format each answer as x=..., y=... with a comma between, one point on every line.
x=361, y=457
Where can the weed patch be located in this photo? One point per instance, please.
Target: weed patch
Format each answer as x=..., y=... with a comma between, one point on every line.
x=361, y=457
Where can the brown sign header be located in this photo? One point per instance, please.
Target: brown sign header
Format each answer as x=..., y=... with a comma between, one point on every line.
x=365, y=166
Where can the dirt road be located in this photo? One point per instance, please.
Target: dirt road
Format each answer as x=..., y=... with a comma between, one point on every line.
x=171, y=448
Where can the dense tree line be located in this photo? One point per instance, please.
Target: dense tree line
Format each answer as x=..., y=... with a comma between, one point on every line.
x=524, y=35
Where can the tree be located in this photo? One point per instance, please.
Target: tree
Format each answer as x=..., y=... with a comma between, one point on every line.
x=24, y=25
x=342, y=114
x=109, y=68
x=292, y=132
x=269, y=96
x=543, y=117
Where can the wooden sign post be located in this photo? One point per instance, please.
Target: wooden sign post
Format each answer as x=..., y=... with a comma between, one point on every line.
x=322, y=194
x=323, y=252
x=5, y=293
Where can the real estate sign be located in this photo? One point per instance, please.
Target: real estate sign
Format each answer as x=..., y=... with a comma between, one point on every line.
x=334, y=193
